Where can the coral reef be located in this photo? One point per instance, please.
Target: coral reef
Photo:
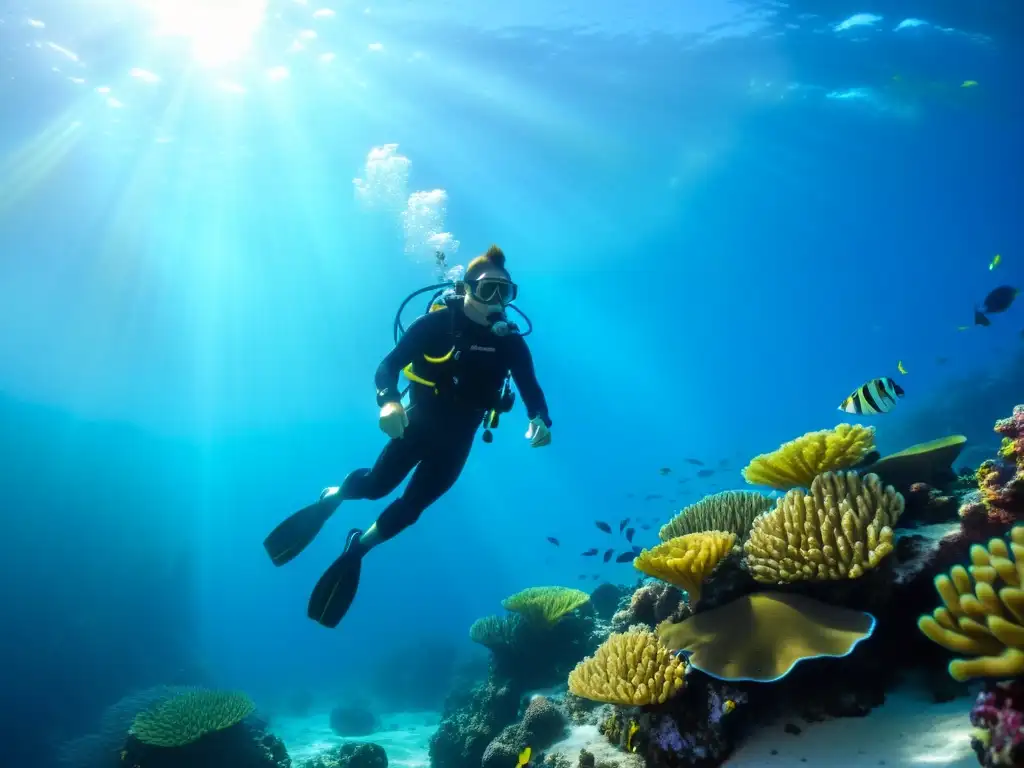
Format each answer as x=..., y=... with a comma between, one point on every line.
x=998, y=719
x=926, y=505
x=605, y=599
x=630, y=668
x=796, y=463
x=1012, y=431
x=979, y=615
x=541, y=726
x=729, y=511
x=694, y=729
x=545, y=604
x=348, y=720
x=999, y=502
x=470, y=721
x=761, y=637
x=350, y=755
x=190, y=715
x=686, y=561
x=245, y=744
x=652, y=603
x=840, y=529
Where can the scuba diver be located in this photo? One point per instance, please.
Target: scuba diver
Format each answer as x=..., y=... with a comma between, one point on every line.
x=459, y=358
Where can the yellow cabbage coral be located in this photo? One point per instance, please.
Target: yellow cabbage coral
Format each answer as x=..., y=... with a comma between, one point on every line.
x=726, y=511
x=545, y=604
x=631, y=669
x=983, y=611
x=796, y=463
x=840, y=529
x=686, y=561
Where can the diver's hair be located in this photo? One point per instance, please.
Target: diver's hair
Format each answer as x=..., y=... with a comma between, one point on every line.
x=495, y=257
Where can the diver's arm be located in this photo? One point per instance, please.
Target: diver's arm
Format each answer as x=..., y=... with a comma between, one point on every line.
x=413, y=344
x=521, y=368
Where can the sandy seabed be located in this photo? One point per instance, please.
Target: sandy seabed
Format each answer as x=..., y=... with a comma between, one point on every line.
x=908, y=730
x=405, y=737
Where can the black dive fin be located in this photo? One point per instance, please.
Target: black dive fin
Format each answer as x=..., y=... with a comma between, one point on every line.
x=333, y=594
x=298, y=531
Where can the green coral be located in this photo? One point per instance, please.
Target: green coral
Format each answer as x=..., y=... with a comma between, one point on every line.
x=495, y=632
x=545, y=604
x=729, y=511
x=189, y=716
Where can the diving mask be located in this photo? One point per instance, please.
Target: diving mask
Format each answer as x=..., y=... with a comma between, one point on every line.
x=490, y=290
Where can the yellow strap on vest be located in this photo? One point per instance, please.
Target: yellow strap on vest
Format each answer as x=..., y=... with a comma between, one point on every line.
x=411, y=376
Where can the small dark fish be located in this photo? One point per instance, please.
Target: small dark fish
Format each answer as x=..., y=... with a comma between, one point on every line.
x=695, y=462
x=608, y=555
x=944, y=360
x=876, y=396
x=980, y=319
x=603, y=526
x=652, y=496
x=665, y=471
x=596, y=576
x=999, y=299
x=625, y=557
x=705, y=472
x=590, y=553
x=629, y=534
x=583, y=576
x=623, y=524
x=637, y=550
x=723, y=463
x=646, y=526
x=554, y=541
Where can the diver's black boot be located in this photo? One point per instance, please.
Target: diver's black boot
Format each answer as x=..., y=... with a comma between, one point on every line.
x=333, y=594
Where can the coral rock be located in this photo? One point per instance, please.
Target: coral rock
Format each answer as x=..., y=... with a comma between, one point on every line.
x=998, y=714
x=926, y=505
x=353, y=721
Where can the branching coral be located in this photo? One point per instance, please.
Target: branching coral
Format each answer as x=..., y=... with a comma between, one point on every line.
x=686, y=561
x=545, y=604
x=189, y=716
x=761, y=637
x=983, y=611
x=839, y=530
x=632, y=669
x=730, y=511
x=796, y=463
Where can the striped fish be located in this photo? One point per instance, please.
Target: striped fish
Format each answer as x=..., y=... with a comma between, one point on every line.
x=877, y=396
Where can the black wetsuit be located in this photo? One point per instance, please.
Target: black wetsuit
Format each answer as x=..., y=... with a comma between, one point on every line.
x=443, y=420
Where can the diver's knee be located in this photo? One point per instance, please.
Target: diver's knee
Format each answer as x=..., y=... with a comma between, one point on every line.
x=359, y=484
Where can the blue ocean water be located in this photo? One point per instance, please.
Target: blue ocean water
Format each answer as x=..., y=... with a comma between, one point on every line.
x=723, y=217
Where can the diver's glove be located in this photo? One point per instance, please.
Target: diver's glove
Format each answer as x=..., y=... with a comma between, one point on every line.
x=393, y=420
x=538, y=433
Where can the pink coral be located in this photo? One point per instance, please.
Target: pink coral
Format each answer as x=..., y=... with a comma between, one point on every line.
x=1012, y=430
x=1000, y=500
x=998, y=715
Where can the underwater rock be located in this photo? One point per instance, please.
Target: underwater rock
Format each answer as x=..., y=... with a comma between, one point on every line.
x=543, y=723
x=353, y=721
x=998, y=716
x=926, y=505
x=350, y=755
x=730, y=581
x=470, y=722
x=650, y=604
x=605, y=599
x=245, y=745
x=695, y=728
x=929, y=462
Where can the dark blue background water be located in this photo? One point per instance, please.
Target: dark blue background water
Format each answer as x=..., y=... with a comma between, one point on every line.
x=722, y=221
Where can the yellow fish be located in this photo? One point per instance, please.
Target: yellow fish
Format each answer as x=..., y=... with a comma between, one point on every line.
x=900, y=368
x=995, y=262
x=968, y=83
x=729, y=706
x=524, y=757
